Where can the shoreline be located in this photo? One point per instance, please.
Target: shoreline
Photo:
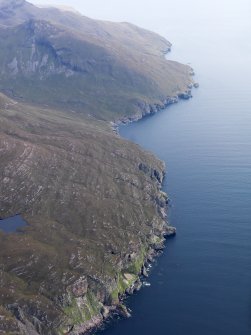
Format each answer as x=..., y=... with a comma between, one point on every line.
x=146, y=109
x=168, y=231
x=154, y=250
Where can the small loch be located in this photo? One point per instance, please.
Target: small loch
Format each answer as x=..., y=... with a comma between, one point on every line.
x=12, y=224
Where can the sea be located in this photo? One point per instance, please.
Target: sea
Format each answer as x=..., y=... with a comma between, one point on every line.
x=201, y=284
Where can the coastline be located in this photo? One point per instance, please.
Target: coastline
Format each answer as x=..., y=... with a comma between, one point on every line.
x=145, y=109
x=87, y=300
x=155, y=249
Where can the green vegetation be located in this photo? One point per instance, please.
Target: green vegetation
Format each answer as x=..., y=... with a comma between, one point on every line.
x=136, y=264
x=78, y=314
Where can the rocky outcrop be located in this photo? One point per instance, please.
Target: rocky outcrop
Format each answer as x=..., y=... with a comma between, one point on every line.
x=185, y=95
x=143, y=109
x=79, y=287
x=91, y=324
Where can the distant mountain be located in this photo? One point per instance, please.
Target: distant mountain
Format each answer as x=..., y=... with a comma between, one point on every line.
x=92, y=201
x=119, y=63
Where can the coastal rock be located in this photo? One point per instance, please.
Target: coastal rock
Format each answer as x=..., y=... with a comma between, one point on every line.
x=123, y=311
x=130, y=290
x=137, y=285
x=105, y=311
x=162, y=199
x=185, y=95
x=144, y=109
x=93, y=323
x=144, y=271
x=196, y=85
x=154, y=174
x=167, y=50
x=152, y=253
x=170, y=231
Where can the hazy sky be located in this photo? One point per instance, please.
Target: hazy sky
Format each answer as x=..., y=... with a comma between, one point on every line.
x=182, y=22
x=154, y=13
x=121, y=9
x=142, y=12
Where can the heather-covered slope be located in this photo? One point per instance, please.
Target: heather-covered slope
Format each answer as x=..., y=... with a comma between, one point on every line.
x=92, y=200
x=66, y=60
x=94, y=208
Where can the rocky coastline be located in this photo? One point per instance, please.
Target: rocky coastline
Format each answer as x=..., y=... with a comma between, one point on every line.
x=117, y=307
x=108, y=312
x=89, y=301
x=143, y=109
x=96, y=212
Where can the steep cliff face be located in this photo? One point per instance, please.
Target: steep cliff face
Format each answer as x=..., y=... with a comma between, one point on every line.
x=92, y=201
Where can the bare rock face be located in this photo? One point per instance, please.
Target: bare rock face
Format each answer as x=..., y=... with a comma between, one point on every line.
x=38, y=56
x=79, y=288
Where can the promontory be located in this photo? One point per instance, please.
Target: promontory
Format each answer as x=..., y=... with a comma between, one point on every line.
x=92, y=201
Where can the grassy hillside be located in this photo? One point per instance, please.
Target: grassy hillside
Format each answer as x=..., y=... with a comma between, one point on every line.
x=92, y=201
x=69, y=61
x=88, y=204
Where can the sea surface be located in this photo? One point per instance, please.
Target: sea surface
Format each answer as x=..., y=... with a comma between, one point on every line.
x=201, y=285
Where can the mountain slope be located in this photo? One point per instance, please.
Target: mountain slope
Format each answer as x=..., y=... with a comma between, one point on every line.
x=99, y=68
x=89, y=206
x=92, y=201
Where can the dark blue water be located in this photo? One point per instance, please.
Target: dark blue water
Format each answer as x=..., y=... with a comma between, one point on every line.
x=201, y=285
x=12, y=224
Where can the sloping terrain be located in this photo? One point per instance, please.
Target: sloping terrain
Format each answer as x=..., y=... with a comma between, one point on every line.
x=92, y=201
x=80, y=188
x=92, y=67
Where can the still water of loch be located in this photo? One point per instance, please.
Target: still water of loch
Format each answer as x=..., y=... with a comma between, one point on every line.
x=12, y=224
x=201, y=285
